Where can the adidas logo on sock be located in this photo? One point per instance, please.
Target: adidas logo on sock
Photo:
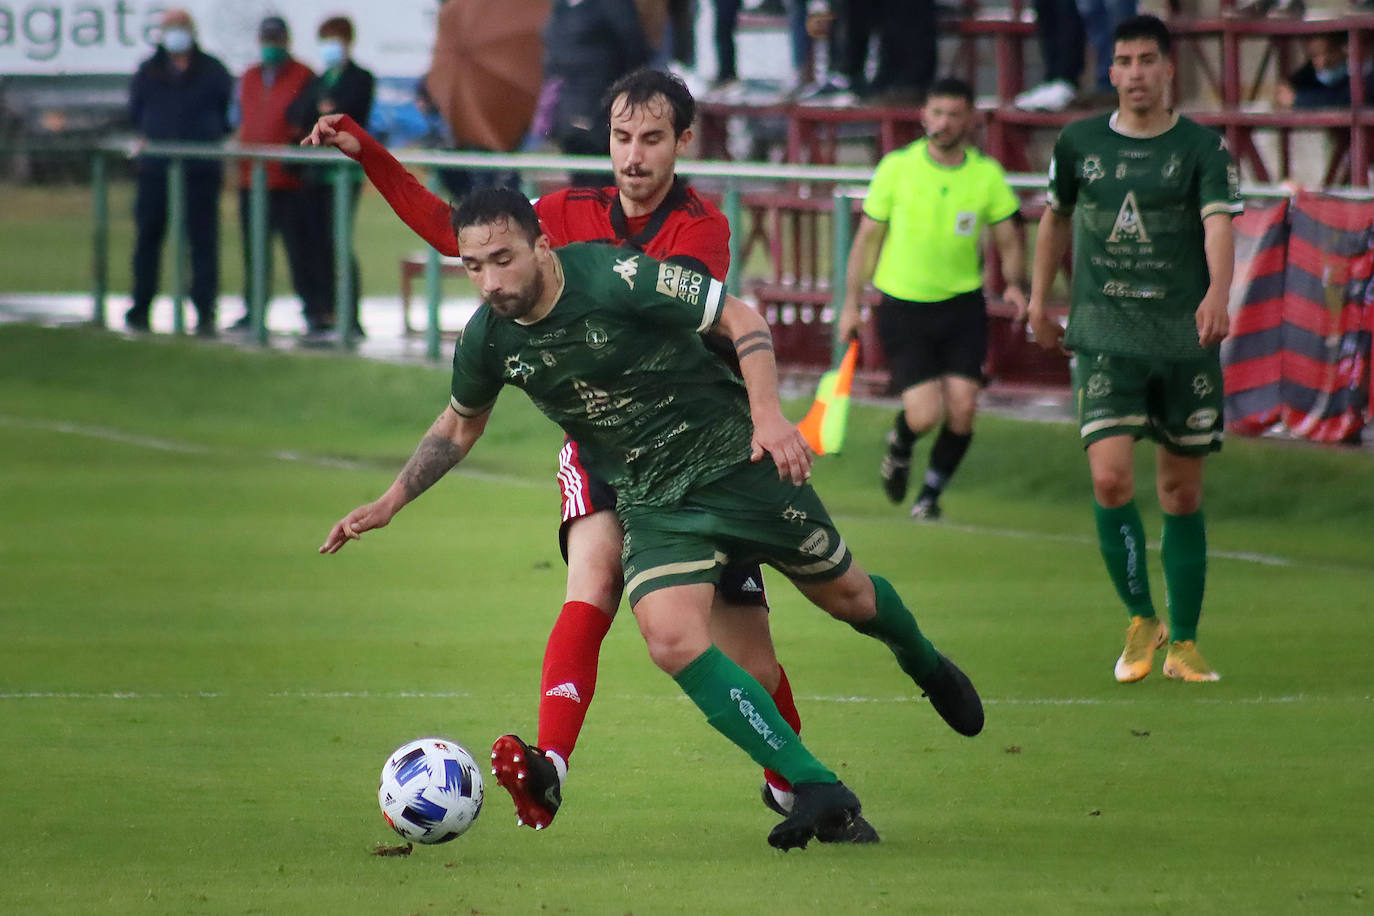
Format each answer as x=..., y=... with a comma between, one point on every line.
x=565, y=690
x=750, y=586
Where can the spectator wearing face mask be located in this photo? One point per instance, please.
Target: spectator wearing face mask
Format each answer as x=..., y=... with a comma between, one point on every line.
x=342, y=88
x=266, y=92
x=1324, y=81
x=180, y=93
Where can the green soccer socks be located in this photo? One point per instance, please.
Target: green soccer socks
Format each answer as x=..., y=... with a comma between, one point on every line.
x=1121, y=538
x=739, y=708
x=896, y=628
x=1184, y=552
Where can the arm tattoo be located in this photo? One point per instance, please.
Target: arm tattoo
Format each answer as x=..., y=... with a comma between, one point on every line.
x=752, y=343
x=433, y=458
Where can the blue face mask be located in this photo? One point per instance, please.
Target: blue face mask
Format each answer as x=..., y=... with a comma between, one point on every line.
x=332, y=54
x=1333, y=75
x=176, y=41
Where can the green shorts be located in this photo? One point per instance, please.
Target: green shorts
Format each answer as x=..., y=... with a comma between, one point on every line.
x=749, y=515
x=1177, y=404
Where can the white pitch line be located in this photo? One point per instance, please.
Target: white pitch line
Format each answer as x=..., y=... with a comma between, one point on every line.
x=137, y=696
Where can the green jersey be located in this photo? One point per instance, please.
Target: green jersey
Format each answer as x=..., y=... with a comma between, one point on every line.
x=620, y=365
x=1139, y=266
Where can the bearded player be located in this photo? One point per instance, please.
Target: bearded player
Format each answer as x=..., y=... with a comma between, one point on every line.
x=650, y=211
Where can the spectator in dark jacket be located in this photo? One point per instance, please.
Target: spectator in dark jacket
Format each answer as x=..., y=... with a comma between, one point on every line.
x=1324, y=81
x=180, y=93
x=343, y=88
x=588, y=45
x=266, y=91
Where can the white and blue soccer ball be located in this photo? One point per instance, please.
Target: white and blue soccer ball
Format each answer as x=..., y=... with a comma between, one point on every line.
x=431, y=790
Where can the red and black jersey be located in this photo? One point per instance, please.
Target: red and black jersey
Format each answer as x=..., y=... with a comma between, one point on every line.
x=684, y=228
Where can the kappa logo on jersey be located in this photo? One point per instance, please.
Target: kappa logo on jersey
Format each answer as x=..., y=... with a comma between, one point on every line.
x=681, y=283
x=566, y=690
x=627, y=269
x=518, y=370
x=1128, y=226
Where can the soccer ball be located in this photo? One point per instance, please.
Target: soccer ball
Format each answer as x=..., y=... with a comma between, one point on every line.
x=431, y=790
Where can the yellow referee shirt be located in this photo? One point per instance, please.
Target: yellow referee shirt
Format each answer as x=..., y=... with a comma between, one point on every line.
x=934, y=215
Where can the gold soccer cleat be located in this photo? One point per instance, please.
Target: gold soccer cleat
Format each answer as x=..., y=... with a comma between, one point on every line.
x=1143, y=637
x=1184, y=662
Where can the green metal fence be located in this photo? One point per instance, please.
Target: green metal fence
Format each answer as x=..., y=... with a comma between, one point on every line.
x=841, y=184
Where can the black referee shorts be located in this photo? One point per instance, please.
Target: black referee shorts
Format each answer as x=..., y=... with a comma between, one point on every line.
x=927, y=340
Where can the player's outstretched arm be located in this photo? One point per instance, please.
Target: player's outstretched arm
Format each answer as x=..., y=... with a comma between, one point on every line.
x=773, y=432
x=447, y=442
x=1051, y=241
x=427, y=214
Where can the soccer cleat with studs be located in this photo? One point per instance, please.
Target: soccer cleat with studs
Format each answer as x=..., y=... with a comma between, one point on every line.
x=820, y=809
x=954, y=697
x=858, y=830
x=1143, y=637
x=1185, y=663
x=531, y=779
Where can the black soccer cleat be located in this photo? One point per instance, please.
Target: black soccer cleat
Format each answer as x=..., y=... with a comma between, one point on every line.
x=858, y=831
x=530, y=778
x=895, y=470
x=953, y=696
x=926, y=508
x=821, y=809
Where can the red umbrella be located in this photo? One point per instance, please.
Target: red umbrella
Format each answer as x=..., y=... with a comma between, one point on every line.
x=486, y=70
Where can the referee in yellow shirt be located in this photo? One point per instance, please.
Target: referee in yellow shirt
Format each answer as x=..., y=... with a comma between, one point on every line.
x=918, y=241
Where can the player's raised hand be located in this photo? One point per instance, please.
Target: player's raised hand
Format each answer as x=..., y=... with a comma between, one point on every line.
x=351, y=526
x=1213, y=321
x=790, y=451
x=326, y=133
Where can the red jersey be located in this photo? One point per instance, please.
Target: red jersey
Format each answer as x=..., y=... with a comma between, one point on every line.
x=684, y=228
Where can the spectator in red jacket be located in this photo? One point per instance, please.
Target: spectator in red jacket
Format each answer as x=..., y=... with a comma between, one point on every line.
x=266, y=91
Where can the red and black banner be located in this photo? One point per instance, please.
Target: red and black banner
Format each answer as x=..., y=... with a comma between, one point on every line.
x=1302, y=316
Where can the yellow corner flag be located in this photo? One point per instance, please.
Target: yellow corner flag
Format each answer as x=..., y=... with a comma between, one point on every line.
x=824, y=425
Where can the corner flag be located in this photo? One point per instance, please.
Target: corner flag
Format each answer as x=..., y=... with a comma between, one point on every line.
x=824, y=425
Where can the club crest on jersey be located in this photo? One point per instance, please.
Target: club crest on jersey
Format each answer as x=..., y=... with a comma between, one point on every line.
x=597, y=337
x=793, y=515
x=517, y=370
x=627, y=269
x=681, y=283
x=1202, y=385
x=1092, y=169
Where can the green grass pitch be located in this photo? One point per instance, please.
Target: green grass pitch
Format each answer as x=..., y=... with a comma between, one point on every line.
x=196, y=706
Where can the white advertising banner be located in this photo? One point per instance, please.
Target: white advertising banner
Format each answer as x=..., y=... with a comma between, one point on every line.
x=54, y=37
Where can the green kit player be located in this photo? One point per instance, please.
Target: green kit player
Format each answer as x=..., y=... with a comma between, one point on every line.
x=1149, y=197
x=607, y=343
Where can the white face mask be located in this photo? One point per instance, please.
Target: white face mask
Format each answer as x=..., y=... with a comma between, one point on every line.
x=177, y=41
x=331, y=54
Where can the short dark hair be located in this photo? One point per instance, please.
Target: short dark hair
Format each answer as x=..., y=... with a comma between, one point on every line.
x=337, y=27
x=1145, y=28
x=640, y=86
x=951, y=87
x=494, y=205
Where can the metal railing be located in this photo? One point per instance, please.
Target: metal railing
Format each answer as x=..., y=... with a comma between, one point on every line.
x=841, y=184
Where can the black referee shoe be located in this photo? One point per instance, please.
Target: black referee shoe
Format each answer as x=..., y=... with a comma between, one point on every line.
x=895, y=469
